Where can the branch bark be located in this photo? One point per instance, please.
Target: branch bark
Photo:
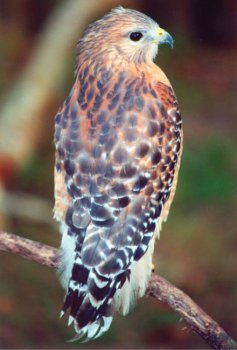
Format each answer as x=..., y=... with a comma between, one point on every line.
x=199, y=321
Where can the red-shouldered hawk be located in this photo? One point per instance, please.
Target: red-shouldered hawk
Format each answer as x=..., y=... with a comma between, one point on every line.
x=118, y=145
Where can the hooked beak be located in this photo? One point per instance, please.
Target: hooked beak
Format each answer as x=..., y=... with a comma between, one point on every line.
x=164, y=37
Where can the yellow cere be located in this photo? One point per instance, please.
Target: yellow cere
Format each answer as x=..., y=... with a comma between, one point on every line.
x=160, y=31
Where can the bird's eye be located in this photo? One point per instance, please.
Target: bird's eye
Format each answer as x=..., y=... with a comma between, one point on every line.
x=136, y=36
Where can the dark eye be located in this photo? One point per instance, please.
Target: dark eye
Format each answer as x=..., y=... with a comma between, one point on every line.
x=136, y=36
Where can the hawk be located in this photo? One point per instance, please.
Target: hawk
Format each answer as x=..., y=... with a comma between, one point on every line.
x=118, y=142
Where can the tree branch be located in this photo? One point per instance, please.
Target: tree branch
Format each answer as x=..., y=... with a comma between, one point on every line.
x=31, y=250
x=159, y=288
x=197, y=319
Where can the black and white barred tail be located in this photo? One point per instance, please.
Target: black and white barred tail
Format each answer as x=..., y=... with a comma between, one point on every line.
x=92, y=298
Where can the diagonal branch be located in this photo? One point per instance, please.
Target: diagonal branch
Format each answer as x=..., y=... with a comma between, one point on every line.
x=31, y=250
x=197, y=319
x=159, y=288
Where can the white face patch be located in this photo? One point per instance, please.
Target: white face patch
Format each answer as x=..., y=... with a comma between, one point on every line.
x=144, y=49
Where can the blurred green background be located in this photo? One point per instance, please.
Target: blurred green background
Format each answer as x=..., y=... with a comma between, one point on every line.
x=197, y=249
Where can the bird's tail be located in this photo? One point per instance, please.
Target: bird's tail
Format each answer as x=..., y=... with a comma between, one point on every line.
x=90, y=301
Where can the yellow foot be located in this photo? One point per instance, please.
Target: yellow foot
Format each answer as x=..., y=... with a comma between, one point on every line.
x=152, y=267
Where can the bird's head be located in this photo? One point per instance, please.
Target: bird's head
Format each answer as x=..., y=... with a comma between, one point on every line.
x=125, y=35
